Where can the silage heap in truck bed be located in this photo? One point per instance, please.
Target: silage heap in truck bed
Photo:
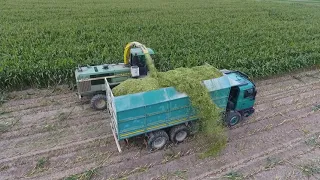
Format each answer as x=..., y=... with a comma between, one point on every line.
x=166, y=79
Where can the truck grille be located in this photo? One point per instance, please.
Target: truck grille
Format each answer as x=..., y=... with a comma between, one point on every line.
x=84, y=86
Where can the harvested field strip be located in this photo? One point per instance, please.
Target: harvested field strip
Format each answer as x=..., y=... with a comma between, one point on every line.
x=296, y=148
x=286, y=100
x=276, y=81
x=69, y=96
x=72, y=155
x=283, y=158
x=60, y=150
x=283, y=111
x=47, y=140
x=44, y=106
x=271, y=120
x=38, y=108
x=277, y=89
x=84, y=141
x=288, y=92
x=59, y=120
x=45, y=132
x=254, y=148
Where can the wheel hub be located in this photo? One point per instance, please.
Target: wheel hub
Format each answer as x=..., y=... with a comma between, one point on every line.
x=234, y=120
x=181, y=135
x=159, y=142
x=100, y=103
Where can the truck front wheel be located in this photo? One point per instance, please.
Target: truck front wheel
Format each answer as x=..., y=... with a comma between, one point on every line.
x=99, y=102
x=233, y=118
x=157, y=140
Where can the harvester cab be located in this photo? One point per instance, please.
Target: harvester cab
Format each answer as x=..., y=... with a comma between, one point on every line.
x=90, y=79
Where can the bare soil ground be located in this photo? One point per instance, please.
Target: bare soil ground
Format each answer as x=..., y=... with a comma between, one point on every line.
x=50, y=134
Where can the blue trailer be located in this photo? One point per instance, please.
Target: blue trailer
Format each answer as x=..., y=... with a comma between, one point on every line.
x=165, y=114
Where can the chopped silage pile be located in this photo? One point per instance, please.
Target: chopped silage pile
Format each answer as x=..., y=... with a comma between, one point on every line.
x=166, y=79
x=132, y=86
x=186, y=80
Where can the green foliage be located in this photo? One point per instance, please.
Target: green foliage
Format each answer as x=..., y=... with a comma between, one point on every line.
x=257, y=37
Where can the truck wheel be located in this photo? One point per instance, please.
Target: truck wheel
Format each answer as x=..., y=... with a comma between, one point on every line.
x=99, y=102
x=157, y=140
x=178, y=133
x=233, y=118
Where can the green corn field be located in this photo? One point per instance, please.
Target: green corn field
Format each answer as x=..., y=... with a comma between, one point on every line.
x=42, y=42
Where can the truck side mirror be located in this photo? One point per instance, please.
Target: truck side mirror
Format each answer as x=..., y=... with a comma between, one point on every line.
x=250, y=93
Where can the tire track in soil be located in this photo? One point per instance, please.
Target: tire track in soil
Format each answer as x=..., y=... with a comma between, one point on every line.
x=60, y=156
x=275, y=82
x=134, y=157
x=53, y=123
x=306, y=154
x=283, y=165
x=41, y=126
x=257, y=164
x=286, y=92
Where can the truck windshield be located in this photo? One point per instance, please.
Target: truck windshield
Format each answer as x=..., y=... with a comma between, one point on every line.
x=244, y=76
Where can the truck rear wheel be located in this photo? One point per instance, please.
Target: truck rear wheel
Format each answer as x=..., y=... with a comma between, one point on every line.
x=157, y=140
x=233, y=118
x=179, y=133
x=99, y=102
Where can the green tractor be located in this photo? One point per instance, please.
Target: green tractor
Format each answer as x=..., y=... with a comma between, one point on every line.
x=90, y=80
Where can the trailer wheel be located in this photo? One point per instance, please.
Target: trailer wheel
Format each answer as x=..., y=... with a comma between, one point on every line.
x=233, y=118
x=99, y=102
x=157, y=140
x=178, y=133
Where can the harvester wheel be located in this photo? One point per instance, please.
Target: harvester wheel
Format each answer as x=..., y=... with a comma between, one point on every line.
x=179, y=133
x=99, y=102
x=233, y=118
x=157, y=140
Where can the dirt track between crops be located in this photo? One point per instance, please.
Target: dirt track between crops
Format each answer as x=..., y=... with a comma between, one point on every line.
x=280, y=141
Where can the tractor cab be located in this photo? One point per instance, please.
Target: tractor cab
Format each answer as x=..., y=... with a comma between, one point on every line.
x=242, y=93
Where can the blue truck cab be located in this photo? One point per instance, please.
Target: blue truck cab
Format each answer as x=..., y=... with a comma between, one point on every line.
x=242, y=95
x=164, y=114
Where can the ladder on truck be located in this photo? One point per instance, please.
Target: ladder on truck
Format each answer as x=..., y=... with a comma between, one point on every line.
x=111, y=108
